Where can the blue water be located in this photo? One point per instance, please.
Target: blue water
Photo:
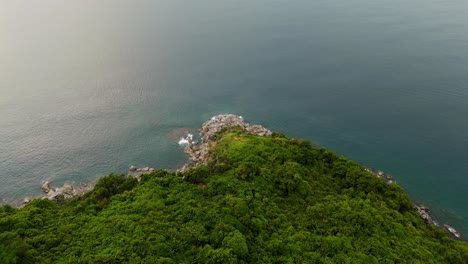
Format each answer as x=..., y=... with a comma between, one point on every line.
x=92, y=87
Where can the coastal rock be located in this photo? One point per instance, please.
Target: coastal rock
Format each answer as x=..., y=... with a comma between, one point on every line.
x=46, y=187
x=199, y=153
x=67, y=191
x=258, y=130
x=64, y=192
x=423, y=212
x=138, y=172
x=380, y=174
x=453, y=231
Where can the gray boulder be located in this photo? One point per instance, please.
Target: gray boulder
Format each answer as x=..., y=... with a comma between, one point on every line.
x=46, y=187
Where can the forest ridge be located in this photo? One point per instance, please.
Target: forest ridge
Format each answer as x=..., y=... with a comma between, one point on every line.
x=258, y=199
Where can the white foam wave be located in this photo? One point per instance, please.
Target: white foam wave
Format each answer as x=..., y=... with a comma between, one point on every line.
x=186, y=140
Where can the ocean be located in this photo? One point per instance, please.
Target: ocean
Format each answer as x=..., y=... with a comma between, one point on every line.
x=92, y=87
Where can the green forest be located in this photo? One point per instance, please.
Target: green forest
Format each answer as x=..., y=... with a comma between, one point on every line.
x=258, y=200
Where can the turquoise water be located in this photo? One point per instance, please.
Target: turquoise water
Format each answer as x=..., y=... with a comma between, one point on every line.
x=93, y=87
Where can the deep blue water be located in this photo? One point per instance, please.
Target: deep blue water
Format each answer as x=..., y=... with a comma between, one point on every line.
x=92, y=87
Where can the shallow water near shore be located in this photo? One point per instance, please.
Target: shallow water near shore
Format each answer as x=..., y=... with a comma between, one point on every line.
x=89, y=88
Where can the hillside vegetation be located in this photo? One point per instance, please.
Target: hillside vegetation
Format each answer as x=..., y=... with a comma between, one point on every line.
x=258, y=200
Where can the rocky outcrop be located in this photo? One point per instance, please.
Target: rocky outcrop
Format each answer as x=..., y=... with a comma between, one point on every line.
x=46, y=187
x=67, y=191
x=380, y=174
x=199, y=153
x=138, y=172
x=452, y=231
x=424, y=214
x=219, y=122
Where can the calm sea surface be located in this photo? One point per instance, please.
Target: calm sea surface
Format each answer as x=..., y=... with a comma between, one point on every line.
x=92, y=87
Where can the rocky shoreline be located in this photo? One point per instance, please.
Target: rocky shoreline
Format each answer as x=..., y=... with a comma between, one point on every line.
x=138, y=172
x=423, y=211
x=380, y=174
x=67, y=191
x=199, y=155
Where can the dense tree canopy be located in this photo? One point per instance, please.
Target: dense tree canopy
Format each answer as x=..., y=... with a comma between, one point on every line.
x=259, y=200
